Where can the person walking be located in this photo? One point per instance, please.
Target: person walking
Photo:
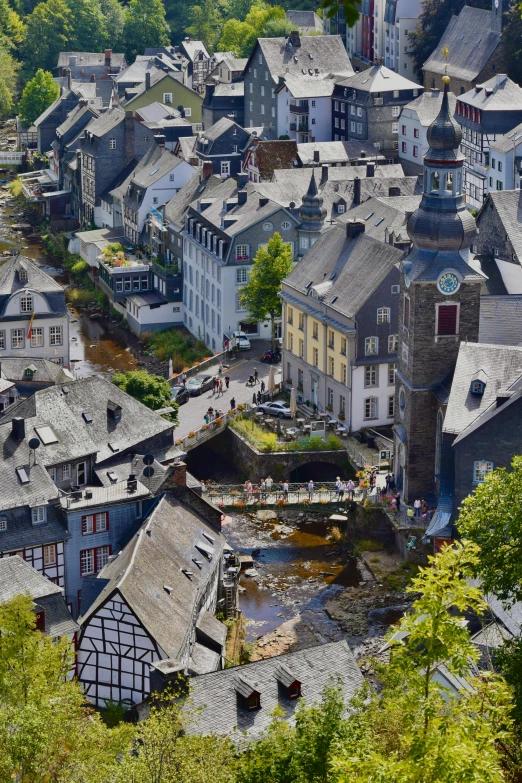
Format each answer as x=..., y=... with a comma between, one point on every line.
x=338, y=485
x=227, y=381
x=424, y=509
x=262, y=488
x=220, y=388
x=269, y=481
x=417, y=505
x=285, y=490
x=259, y=398
x=203, y=487
x=183, y=379
x=220, y=370
x=210, y=413
x=256, y=375
x=398, y=500
x=232, y=404
x=342, y=490
x=207, y=418
x=350, y=486
x=263, y=387
x=310, y=490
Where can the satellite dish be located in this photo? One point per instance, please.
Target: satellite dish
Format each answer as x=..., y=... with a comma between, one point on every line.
x=148, y=472
x=148, y=459
x=34, y=444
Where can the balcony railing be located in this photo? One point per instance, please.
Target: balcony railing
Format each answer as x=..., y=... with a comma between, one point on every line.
x=296, y=108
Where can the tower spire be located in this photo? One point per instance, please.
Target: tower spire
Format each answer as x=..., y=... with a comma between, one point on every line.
x=311, y=212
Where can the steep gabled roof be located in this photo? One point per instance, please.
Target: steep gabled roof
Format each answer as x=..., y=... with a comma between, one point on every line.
x=322, y=54
x=508, y=205
x=192, y=189
x=470, y=40
x=378, y=78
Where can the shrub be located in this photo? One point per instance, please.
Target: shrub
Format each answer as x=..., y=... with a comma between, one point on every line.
x=192, y=434
x=369, y=545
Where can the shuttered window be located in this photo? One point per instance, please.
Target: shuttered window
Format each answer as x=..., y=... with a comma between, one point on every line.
x=447, y=319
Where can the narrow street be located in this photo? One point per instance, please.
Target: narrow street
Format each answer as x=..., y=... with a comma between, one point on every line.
x=191, y=413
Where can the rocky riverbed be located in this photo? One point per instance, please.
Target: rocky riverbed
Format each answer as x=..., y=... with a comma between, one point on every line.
x=308, y=585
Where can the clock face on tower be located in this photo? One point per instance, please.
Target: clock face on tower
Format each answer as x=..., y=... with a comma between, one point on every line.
x=448, y=283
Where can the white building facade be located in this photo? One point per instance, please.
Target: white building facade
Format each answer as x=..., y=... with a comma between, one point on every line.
x=400, y=18
x=303, y=112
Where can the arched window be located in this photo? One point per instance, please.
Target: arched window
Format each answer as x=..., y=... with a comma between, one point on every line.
x=438, y=443
x=449, y=182
x=435, y=181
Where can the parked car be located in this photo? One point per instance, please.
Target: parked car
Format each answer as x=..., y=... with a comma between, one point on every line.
x=179, y=394
x=242, y=341
x=199, y=384
x=275, y=409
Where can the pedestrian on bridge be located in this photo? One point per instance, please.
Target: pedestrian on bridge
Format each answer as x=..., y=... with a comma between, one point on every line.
x=269, y=481
x=342, y=490
x=285, y=490
x=310, y=490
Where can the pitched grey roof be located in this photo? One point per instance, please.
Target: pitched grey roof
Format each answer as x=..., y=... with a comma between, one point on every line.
x=86, y=59
x=344, y=269
x=186, y=146
x=300, y=177
x=75, y=437
x=153, y=560
x=337, y=152
x=502, y=365
x=301, y=86
x=381, y=215
x=156, y=162
x=73, y=117
x=194, y=188
x=37, y=280
x=50, y=109
x=497, y=94
x=501, y=320
x=135, y=73
x=470, y=41
x=508, y=204
x=106, y=122
x=305, y=20
x=119, y=469
x=19, y=578
x=191, y=48
x=155, y=77
x=493, y=284
x=219, y=127
x=21, y=532
x=507, y=142
x=378, y=78
x=13, y=368
x=427, y=106
x=157, y=111
x=217, y=708
x=234, y=63
x=328, y=55
x=232, y=90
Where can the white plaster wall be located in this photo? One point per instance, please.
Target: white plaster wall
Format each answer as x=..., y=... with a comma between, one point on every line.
x=359, y=393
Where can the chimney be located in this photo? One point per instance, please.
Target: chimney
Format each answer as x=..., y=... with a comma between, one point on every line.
x=209, y=91
x=500, y=79
x=18, y=428
x=294, y=38
x=93, y=77
x=194, y=161
x=357, y=191
x=363, y=154
x=67, y=74
x=241, y=197
x=262, y=201
x=206, y=170
x=179, y=475
x=147, y=80
x=242, y=180
x=324, y=174
x=394, y=191
x=159, y=138
x=108, y=57
x=83, y=102
x=73, y=59
x=370, y=169
x=316, y=156
x=354, y=228
x=168, y=673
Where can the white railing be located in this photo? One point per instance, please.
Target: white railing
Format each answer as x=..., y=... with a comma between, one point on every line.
x=11, y=158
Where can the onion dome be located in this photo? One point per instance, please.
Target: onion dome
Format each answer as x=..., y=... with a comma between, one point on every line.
x=311, y=212
x=444, y=134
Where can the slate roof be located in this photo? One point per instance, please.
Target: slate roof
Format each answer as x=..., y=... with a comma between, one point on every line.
x=381, y=215
x=106, y=122
x=219, y=128
x=427, y=105
x=470, y=41
x=153, y=560
x=232, y=90
x=156, y=76
x=72, y=118
x=493, y=284
x=508, y=141
x=13, y=368
x=19, y=578
x=378, y=78
x=300, y=177
x=86, y=59
x=214, y=696
x=37, y=280
x=496, y=94
x=135, y=73
x=502, y=365
x=347, y=269
x=156, y=162
x=50, y=109
x=191, y=48
x=192, y=189
x=186, y=147
x=157, y=111
x=301, y=86
x=76, y=437
x=508, y=205
x=305, y=20
x=337, y=152
x=234, y=63
x=328, y=55
x=501, y=320
x=118, y=469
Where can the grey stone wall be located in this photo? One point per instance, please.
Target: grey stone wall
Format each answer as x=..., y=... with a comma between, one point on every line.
x=255, y=76
x=492, y=234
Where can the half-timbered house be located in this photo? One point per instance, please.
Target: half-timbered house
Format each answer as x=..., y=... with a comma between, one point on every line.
x=153, y=601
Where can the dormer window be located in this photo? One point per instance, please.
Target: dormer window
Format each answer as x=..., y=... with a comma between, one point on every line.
x=22, y=275
x=288, y=682
x=114, y=410
x=40, y=621
x=477, y=387
x=294, y=690
x=26, y=304
x=254, y=702
x=247, y=693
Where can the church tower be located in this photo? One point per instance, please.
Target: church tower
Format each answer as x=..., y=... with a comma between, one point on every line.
x=440, y=301
x=312, y=215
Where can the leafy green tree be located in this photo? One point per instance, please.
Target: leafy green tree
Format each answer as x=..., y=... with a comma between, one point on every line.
x=277, y=28
x=492, y=518
x=414, y=730
x=114, y=15
x=206, y=24
x=89, y=31
x=152, y=390
x=37, y=96
x=46, y=732
x=50, y=27
x=237, y=37
x=260, y=295
x=145, y=25
x=11, y=25
x=512, y=39
x=9, y=68
x=431, y=25
x=261, y=21
x=164, y=753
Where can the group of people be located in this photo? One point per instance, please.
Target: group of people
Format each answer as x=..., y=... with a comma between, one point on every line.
x=342, y=487
x=212, y=414
x=220, y=383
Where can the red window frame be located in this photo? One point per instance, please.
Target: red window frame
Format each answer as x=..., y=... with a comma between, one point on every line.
x=447, y=319
x=94, y=523
x=94, y=549
x=40, y=621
